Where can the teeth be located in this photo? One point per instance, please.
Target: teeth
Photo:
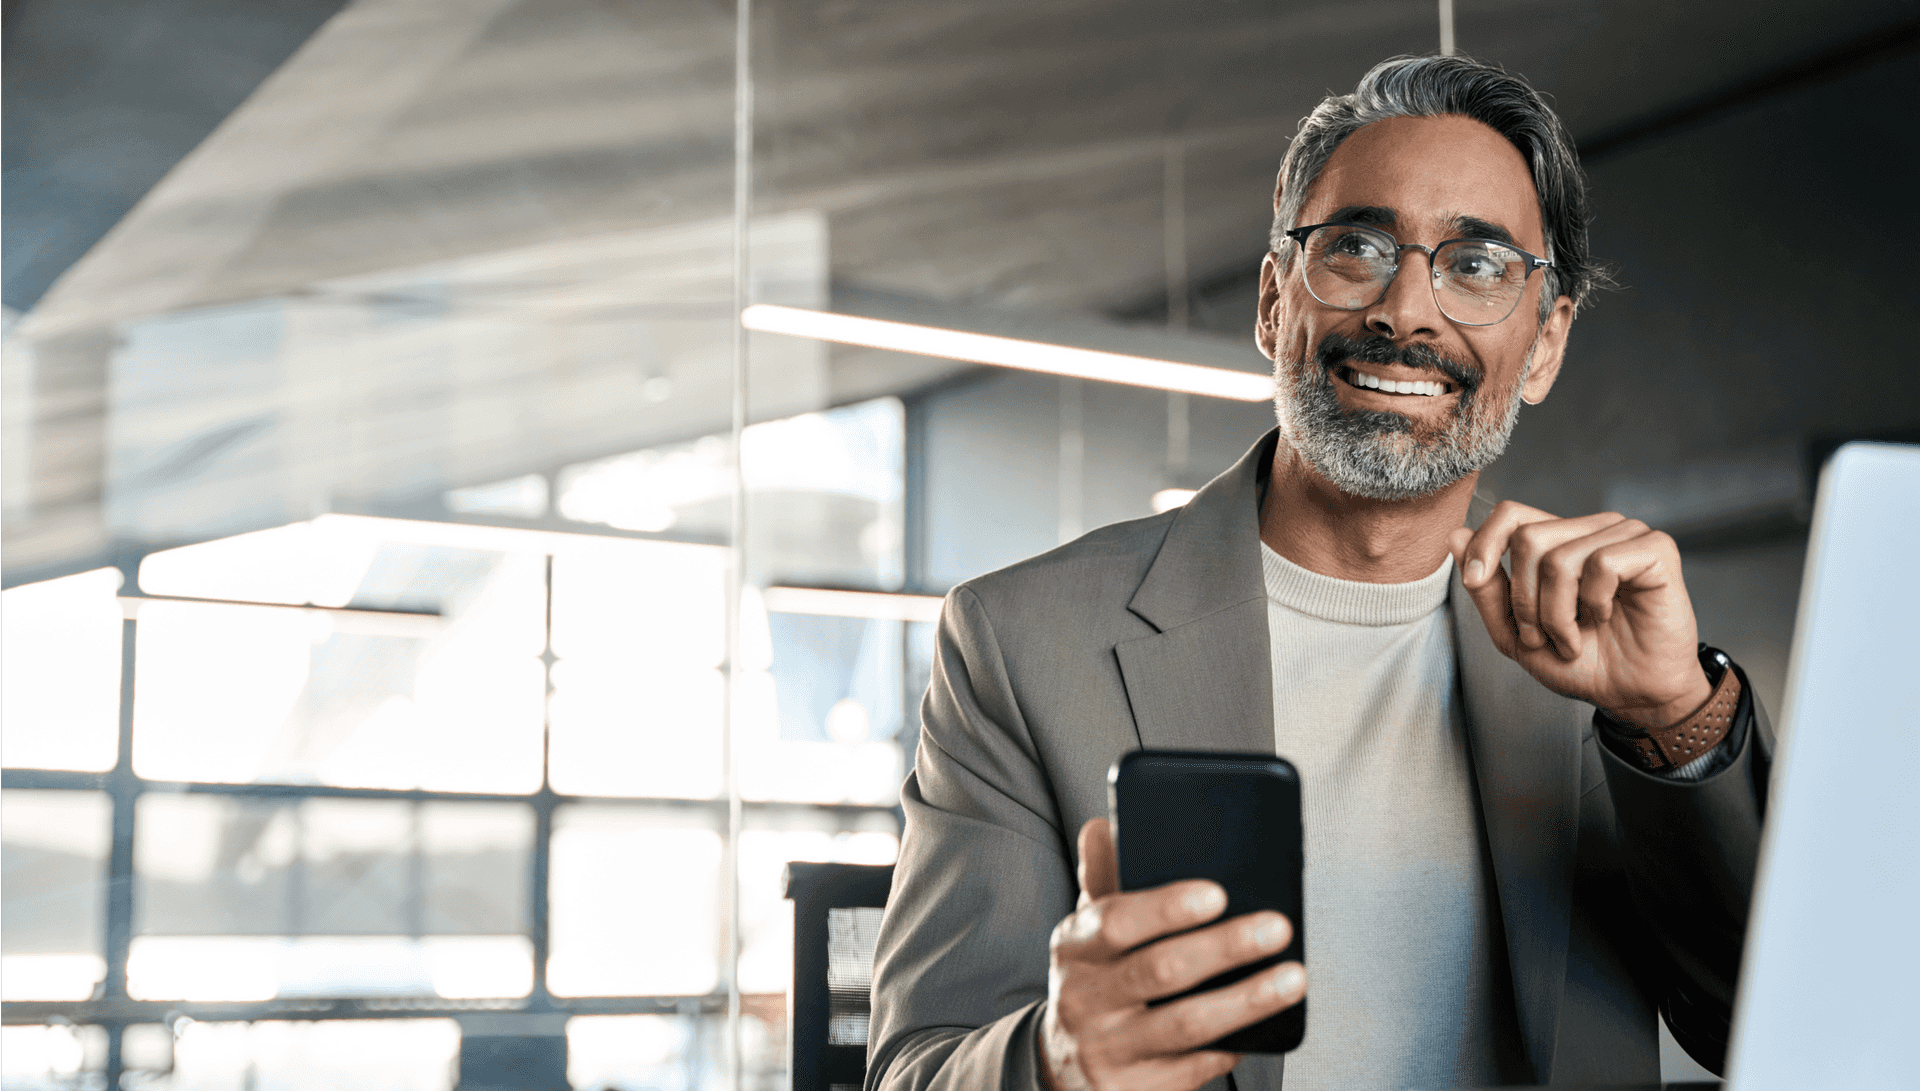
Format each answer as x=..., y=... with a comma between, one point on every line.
x=1395, y=386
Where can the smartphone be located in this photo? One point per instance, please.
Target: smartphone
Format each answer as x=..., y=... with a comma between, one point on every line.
x=1232, y=818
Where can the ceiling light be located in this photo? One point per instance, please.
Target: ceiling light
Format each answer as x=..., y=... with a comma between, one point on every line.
x=980, y=348
x=1169, y=499
x=879, y=605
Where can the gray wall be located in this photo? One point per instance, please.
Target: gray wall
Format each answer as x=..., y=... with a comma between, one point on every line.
x=1767, y=259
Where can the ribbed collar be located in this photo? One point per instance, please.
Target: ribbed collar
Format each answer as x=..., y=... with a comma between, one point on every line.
x=1352, y=602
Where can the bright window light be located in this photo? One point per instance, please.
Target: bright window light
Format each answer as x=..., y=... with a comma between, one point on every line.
x=60, y=673
x=50, y=977
x=1169, y=499
x=980, y=348
x=879, y=605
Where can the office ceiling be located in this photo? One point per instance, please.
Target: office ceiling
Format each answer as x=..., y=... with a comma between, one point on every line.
x=996, y=151
x=994, y=154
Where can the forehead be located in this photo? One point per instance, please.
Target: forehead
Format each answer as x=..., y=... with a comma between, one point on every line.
x=1430, y=170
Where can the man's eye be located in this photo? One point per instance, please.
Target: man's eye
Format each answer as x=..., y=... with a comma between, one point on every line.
x=1479, y=262
x=1355, y=245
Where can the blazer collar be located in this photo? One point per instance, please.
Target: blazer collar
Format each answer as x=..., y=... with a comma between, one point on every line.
x=1210, y=560
x=1204, y=680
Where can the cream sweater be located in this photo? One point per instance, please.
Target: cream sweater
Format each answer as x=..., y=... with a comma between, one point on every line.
x=1407, y=979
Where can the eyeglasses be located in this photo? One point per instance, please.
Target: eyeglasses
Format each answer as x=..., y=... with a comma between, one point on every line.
x=1476, y=282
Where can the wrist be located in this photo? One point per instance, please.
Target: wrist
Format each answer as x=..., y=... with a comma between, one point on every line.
x=1692, y=699
x=1673, y=743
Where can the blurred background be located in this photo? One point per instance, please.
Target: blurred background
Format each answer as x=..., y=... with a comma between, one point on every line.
x=371, y=507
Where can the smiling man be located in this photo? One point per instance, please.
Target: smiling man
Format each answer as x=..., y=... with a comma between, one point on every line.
x=1532, y=799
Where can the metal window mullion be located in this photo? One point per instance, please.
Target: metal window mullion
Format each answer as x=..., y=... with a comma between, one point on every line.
x=123, y=790
x=539, y=905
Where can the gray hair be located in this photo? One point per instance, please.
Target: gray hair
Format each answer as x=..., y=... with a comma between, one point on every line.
x=1434, y=86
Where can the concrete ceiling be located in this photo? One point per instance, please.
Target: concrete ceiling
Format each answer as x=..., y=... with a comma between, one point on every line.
x=996, y=151
x=993, y=154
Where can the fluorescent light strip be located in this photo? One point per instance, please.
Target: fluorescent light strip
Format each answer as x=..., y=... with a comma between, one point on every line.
x=980, y=348
x=879, y=605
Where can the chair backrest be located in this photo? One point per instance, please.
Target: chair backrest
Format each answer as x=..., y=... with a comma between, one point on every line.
x=836, y=919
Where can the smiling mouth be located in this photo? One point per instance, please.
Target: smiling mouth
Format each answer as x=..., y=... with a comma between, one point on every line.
x=1401, y=387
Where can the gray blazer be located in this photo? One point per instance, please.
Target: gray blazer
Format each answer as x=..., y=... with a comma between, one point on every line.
x=1618, y=891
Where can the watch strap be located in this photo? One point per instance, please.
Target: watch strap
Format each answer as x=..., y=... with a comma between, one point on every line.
x=1668, y=748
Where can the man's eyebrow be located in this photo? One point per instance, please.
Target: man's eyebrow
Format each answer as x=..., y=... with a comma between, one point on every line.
x=1473, y=227
x=1364, y=215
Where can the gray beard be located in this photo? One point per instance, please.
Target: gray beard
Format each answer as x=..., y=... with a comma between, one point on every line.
x=1376, y=454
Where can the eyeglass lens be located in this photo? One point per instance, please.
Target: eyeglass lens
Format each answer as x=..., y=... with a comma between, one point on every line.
x=1475, y=282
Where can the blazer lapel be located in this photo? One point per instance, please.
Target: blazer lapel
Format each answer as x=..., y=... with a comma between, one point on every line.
x=1203, y=681
x=1525, y=745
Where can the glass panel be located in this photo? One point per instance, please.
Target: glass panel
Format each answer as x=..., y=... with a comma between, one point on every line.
x=835, y=684
x=634, y=902
x=826, y=491
x=252, y=899
x=487, y=270
x=60, y=673
x=638, y=700
x=245, y=694
x=367, y=1055
x=53, y=871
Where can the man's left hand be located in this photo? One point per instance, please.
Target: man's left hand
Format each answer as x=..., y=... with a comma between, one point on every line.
x=1594, y=609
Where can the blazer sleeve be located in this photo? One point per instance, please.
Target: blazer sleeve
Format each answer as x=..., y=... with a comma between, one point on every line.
x=984, y=875
x=1689, y=851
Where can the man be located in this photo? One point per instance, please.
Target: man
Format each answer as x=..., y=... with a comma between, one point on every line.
x=1532, y=801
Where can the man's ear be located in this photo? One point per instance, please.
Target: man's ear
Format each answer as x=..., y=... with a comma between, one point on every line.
x=1266, y=330
x=1550, y=348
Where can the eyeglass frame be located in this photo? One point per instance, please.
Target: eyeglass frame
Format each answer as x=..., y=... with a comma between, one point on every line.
x=1299, y=235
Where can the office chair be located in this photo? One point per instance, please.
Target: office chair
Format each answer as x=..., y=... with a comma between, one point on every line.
x=836, y=919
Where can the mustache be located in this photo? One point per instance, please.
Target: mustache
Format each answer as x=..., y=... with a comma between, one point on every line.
x=1335, y=347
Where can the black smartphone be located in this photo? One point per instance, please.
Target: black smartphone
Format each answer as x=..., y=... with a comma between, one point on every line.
x=1232, y=818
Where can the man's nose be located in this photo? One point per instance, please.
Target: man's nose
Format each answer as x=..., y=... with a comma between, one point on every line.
x=1408, y=308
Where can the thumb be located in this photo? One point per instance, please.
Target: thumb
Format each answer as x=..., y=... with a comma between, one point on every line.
x=1099, y=874
x=1492, y=596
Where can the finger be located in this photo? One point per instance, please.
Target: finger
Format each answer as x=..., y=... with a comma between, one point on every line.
x=1563, y=586
x=1526, y=548
x=1480, y=570
x=1646, y=562
x=1099, y=873
x=1491, y=597
x=1198, y=1020
x=1113, y=925
x=1457, y=543
x=1179, y=963
x=1480, y=558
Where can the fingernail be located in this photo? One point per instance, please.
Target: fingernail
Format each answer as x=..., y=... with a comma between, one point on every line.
x=1205, y=901
x=1271, y=934
x=1475, y=569
x=1287, y=980
x=1529, y=635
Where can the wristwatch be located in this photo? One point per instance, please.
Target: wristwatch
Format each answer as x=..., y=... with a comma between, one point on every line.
x=1668, y=748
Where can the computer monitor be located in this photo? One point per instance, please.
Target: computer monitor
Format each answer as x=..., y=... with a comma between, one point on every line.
x=1830, y=983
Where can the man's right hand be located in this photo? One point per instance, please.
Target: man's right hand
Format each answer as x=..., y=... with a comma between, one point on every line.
x=1099, y=1033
